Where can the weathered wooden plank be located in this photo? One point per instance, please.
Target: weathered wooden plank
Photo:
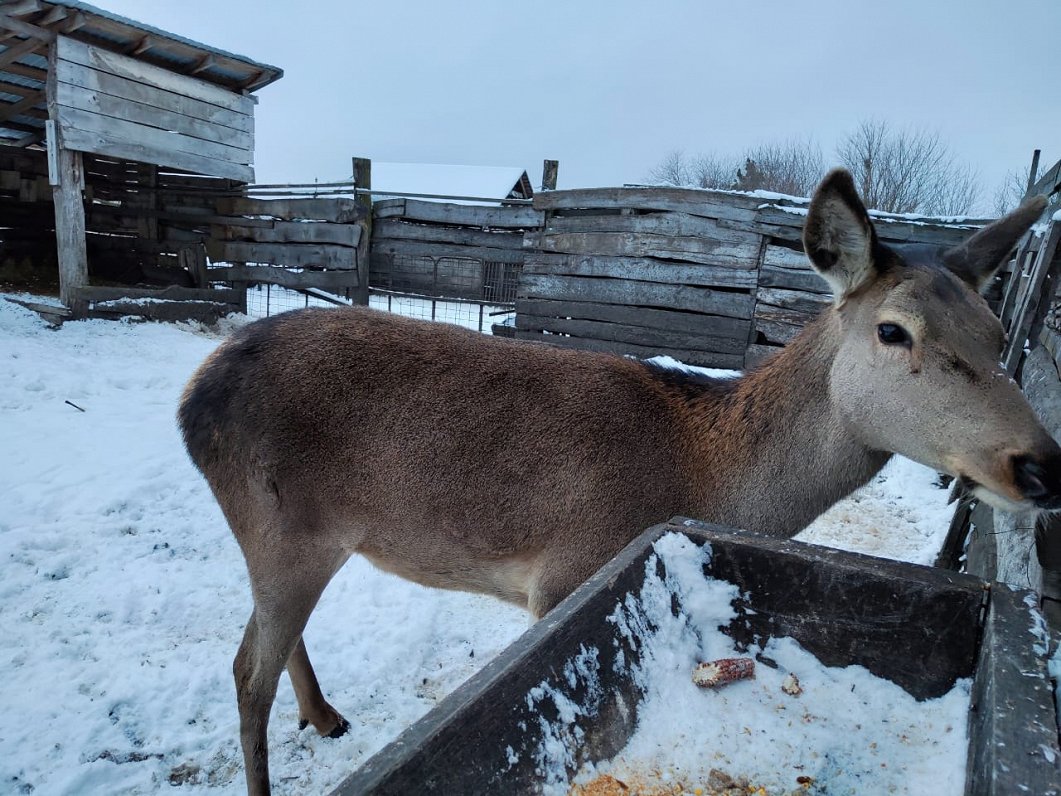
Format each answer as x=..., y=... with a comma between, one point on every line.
x=288, y=232
x=410, y=248
x=804, y=280
x=223, y=296
x=338, y=210
x=779, y=325
x=70, y=226
x=639, y=268
x=707, y=359
x=1028, y=303
x=1013, y=744
x=133, y=149
x=636, y=334
x=292, y=255
x=326, y=280
x=633, y=293
x=90, y=80
x=712, y=204
x=108, y=105
x=189, y=216
x=398, y=229
x=77, y=52
x=1048, y=183
x=362, y=177
x=150, y=136
x=503, y=217
x=798, y=300
x=783, y=257
x=673, y=224
x=722, y=249
x=685, y=322
x=889, y=228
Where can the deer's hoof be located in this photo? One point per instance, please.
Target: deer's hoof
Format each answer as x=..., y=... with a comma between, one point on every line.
x=302, y=724
x=340, y=729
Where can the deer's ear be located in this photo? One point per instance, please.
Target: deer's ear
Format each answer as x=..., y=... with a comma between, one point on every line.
x=976, y=260
x=838, y=236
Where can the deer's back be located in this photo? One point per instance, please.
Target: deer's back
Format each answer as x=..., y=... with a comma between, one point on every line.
x=385, y=424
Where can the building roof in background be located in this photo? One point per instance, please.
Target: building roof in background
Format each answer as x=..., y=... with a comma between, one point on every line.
x=491, y=183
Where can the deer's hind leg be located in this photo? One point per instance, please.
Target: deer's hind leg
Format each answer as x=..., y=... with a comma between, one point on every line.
x=286, y=583
x=313, y=708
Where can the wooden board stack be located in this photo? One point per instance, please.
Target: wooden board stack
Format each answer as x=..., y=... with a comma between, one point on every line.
x=462, y=251
x=712, y=278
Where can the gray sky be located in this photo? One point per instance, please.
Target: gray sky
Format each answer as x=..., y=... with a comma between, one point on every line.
x=609, y=88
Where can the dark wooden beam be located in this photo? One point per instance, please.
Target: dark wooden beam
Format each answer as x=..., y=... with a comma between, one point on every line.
x=56, y=14
x=28, y=140
x=74, y=22
x=23, y=128
x=8, y=22
x=142, y=46
x=16, y=51
x=17, y=88
x=9, y=111
x=32, y=72
x=20, y=8
x=202, y=64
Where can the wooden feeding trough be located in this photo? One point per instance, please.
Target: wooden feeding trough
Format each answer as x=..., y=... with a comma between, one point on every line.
x=919, y=627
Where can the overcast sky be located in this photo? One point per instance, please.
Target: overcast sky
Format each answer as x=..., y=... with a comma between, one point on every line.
x=609, y=88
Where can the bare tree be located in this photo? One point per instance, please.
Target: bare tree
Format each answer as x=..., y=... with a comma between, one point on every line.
x=1011, y=192
x=793, y=167
x=907, y=171
x=712, y=171
x=675, y=169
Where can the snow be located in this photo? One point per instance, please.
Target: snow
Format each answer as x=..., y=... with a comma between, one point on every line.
x=123, y=595
x=849, y=731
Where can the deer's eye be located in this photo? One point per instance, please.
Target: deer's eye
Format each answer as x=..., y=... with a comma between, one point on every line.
x=893, y=334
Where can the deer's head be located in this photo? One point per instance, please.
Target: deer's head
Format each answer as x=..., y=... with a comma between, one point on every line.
x=916, y=370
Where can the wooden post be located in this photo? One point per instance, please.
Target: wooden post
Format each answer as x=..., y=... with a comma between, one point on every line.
x=363, y=179
x=549, y=172
x=70, y=229
x=68, y=185
x=1033, y=173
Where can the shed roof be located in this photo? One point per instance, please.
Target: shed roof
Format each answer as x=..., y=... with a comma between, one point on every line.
x=28, y=26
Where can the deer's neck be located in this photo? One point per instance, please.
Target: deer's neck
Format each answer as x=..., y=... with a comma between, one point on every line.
x=775, y=451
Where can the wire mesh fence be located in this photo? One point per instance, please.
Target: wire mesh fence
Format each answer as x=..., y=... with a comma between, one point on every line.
x=266, y=300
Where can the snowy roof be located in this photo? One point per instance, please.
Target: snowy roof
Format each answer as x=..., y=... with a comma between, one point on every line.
x=436, y=179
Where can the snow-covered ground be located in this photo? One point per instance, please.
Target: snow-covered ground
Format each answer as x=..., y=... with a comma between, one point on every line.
x=123, y=595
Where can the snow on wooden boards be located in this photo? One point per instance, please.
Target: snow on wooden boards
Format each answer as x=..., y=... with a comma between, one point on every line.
x=109, y=104
x=451, y=250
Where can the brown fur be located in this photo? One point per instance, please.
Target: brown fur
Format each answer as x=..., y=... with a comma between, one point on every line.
x=516, y=470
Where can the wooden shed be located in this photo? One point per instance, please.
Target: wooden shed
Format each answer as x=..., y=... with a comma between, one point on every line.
x=99, y=113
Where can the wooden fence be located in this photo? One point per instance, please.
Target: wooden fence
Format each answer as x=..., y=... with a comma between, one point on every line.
x=712, y=278
x=461, y=251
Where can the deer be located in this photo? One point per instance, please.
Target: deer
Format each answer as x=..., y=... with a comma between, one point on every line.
x=516, y=469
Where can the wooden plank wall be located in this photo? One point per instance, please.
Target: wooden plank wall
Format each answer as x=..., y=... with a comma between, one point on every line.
x=709, y=277
x=449, y=250
x=27, y=220
x=149, y=226
x=109, y=104
x=293, y=242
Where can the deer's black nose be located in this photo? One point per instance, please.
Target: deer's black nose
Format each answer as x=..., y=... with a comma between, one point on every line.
x=1039, y=480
